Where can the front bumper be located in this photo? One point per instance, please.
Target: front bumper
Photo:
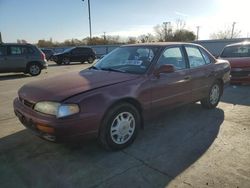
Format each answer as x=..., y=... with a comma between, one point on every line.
x=53, y=129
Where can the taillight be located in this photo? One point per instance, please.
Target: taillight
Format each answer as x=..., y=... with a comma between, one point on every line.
x=43, y=57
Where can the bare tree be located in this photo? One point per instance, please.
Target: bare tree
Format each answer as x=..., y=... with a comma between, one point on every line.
x=164, y=32
x=131, y=40
x=146, y=38
x=225, y=34
x=180, y=24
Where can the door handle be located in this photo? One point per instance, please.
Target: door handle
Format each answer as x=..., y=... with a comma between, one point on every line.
x=187, y=77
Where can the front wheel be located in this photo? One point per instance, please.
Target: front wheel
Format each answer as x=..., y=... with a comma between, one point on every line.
x=66, y=61
x=120, y=127
x=213, y=98
x=90, y=60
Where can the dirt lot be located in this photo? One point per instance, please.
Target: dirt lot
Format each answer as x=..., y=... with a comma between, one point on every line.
x=186, y=147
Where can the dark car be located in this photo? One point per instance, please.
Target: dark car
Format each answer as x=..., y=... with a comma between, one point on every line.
x=239, y=57
x=113, y=98
x=75, y=54
x=25, y=58
x=48, y=53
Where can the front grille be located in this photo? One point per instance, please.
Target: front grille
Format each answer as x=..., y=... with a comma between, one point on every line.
x=238, y=74
x=26, y=102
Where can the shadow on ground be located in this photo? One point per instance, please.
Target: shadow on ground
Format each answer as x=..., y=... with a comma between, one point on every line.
x=237, y=95
x=72, y=63
x=13, y=76
x=165, y=148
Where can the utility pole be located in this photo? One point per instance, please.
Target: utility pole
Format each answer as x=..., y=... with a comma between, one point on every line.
x=90, y=29
x=232, y=35
x=104, y=36
x=166, y=30
x=198, y=31
x=1, y=41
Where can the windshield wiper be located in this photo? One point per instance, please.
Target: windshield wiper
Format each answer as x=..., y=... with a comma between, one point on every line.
x=112, y=69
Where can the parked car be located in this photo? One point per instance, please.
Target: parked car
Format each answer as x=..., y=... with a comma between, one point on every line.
x=239, y=57
x=112, y=99
x=25, y=58
x=48, y=53
x=75, y=54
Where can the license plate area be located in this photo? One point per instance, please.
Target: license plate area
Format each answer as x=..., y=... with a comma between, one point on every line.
x=25, y=121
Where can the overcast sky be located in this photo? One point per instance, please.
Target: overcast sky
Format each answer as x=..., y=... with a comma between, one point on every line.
x=65, y=19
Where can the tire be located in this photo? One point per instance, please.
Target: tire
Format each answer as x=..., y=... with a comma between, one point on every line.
x=120, y=127
x=34, y=69
x=90, y=60
x=66, y=61
x=58, y=62
x=213, y=97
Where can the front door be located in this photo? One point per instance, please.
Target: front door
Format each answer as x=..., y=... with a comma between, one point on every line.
x=171, y=89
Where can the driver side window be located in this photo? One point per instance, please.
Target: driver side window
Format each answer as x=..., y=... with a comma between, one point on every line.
x=172, y=56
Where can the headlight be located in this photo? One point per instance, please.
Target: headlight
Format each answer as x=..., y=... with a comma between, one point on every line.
x=67, y=110
x=57, y=109
x=47, y=107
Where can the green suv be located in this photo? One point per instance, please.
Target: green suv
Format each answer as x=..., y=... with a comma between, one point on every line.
x=25, y=58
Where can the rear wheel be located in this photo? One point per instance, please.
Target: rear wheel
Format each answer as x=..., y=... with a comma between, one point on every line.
x=213, y=98
x=120, y=127
x=34, y=69
x=58, y=62
x=66, y=61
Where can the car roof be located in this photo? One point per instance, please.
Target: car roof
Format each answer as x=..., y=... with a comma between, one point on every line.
x=162, y=44
x=19, y=44
x=239, y=44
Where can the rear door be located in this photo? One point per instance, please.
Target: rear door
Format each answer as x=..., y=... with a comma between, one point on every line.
x=16, y=58
x=171, y=89
x=201, y=70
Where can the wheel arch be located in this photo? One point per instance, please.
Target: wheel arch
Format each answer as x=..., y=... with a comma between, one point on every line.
x=221, y=82
x=32, y=62
x=128, y=100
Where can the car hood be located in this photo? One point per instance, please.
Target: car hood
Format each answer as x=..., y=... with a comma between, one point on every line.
x=239, y=62
x=61, y=87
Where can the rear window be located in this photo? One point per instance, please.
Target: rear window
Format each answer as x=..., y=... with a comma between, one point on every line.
x=236, y=51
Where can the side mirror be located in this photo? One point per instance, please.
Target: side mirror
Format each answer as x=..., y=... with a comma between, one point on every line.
x=164, y=69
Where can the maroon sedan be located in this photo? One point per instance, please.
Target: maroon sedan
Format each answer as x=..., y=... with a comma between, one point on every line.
x=239, y=57
x=111, y=99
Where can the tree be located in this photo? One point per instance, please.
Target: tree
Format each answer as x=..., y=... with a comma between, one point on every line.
x=183, y=35
x=180, y=24
x=43, y=43
x=166, y=32
x=163, y=32
x=131, y=40
x=21, y=41
x=225, y=34
x=146, y=38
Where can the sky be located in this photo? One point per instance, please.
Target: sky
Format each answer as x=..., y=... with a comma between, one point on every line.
x=32, y=20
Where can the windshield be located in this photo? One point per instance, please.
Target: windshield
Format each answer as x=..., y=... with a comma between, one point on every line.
x=236, y=51
x=132, y=59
